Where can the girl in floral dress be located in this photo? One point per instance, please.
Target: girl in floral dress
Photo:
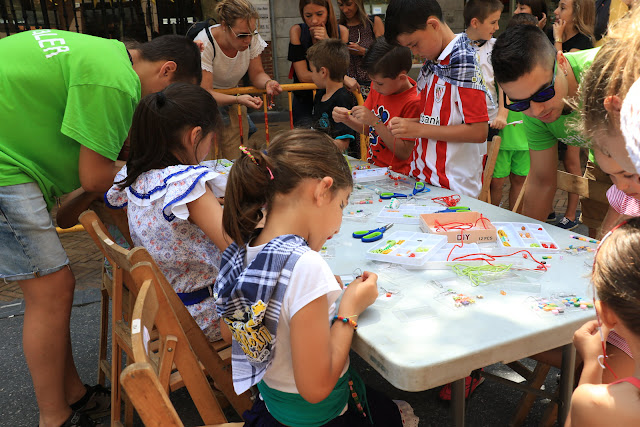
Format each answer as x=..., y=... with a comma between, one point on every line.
x=171, y=200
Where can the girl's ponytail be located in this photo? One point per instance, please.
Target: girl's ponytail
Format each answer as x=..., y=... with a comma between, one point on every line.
x=256, y=177
x=248, y=191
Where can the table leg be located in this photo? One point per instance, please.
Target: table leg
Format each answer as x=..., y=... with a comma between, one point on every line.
x=566, y=381
x=457, y=402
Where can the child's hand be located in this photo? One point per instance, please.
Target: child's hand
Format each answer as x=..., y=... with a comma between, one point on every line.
x=359, y=295
x=250, y=101
x=499, y=122
x=200, y=45
x=401, y=127
x=340, y=114
x=542, y=22
x=363, y=115
x=587, y=340
x=351, y=84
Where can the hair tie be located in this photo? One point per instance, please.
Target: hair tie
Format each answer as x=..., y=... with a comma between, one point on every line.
x=245, y=151
x=161, y=99
x=253, y=159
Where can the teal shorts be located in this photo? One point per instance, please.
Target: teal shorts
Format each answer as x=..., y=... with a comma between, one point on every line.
x=512, y=162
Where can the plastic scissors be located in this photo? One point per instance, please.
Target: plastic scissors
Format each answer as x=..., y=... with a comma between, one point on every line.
x=420, y=187
x=390, y=195
x=371, y=235
x=455, y=209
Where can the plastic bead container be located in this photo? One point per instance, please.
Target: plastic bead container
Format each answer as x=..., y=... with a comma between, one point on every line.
x=529, y=236
x=406, y=247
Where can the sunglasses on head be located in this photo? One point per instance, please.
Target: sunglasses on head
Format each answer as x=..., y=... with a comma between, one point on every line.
x=243, y=36
x=543, y=95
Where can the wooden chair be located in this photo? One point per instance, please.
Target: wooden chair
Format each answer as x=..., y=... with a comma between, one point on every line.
x=140, y=381
x=117, y=288
x=584, y=187
x=214, y=356
x=493, y=147
x=217, y=364
x=153, y=311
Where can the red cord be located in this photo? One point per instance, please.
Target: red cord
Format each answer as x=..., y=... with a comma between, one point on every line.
x=447, y=200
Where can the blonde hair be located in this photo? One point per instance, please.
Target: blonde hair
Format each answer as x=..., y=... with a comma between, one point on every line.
x=613, y=71
x=362, y=15
x=584, y=17
x=230, y=11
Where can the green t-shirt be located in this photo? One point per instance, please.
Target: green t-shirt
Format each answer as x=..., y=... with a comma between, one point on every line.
x=514, y=136
x=61, y=90
x=544, y=135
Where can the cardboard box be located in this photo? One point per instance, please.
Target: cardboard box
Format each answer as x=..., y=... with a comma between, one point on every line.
x=482, y=231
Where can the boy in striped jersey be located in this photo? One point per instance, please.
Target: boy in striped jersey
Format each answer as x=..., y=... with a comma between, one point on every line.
x=449, y=149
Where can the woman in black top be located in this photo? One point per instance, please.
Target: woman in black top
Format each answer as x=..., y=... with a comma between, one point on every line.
x=319, y=23
x=363, y=31
x=573, y=26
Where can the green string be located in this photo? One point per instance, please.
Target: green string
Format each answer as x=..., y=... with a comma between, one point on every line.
x=477, y=274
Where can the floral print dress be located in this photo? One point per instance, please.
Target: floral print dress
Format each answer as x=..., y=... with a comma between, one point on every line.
x=159, y=221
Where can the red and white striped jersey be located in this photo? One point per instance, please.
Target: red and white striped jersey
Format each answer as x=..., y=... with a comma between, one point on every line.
x=454, y=165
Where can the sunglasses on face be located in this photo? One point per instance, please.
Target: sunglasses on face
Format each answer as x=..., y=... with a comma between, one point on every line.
x=243, y=36
x=543, y=95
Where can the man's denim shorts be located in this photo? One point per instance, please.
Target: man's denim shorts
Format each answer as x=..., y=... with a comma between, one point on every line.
x=29, y=244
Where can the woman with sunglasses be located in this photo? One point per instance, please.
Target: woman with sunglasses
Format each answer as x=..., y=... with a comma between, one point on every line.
x=232, y=48
x=616, y=280
x=363, y=30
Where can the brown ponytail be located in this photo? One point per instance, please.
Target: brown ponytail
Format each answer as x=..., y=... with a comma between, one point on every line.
x=293, y=155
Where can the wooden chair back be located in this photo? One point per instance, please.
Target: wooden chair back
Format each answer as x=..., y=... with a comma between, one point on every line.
x=215, y=366
x=141, y=382
x=153, y=311
x=122, y=291
x=493, y=147
x=584, y=187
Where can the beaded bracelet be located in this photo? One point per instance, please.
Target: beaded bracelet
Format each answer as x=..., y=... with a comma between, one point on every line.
x=378, y=122
x=267, y=82
x=348, y=320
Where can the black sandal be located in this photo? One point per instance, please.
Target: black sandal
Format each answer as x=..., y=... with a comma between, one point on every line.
x=95, y=403
x=78, y=419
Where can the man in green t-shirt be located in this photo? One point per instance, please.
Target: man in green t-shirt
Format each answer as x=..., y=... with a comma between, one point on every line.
x=68, y=101
x=543, y=83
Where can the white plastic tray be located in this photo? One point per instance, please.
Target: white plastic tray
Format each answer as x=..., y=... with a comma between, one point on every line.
x=410, y=248
x=518, y=235
x=372, y=174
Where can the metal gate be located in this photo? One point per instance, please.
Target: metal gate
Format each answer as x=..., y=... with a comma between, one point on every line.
x=115, y=19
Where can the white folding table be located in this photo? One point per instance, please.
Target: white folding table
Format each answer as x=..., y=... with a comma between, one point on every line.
x=445, y=344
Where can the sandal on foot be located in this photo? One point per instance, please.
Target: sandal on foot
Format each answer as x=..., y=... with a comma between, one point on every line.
x=78, y=419
x=95, y=403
